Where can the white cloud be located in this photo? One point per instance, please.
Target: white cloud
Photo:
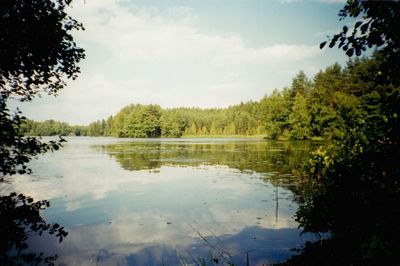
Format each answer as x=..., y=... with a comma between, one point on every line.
x=325, y=33
x=163, y=56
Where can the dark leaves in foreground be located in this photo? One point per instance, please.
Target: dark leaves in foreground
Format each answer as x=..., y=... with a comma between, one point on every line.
x=15, y=149
x=19, y=219
x=37, y=49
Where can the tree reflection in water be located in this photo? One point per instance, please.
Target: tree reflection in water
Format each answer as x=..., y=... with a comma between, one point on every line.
x=128, y=222
x=19, y=220
x=279, y=161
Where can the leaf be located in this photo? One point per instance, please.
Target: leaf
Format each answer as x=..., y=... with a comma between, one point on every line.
x=322, y=45
x=364, y=28
x=350, y=52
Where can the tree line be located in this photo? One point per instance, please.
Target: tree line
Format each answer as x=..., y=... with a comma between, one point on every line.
x=315, y=107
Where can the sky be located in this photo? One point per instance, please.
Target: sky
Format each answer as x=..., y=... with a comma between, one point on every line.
x=203, y=53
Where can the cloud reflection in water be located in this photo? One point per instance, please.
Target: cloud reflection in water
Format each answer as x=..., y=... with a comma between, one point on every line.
x=135, y=215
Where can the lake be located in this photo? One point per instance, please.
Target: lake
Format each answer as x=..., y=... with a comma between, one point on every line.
x=169, y=201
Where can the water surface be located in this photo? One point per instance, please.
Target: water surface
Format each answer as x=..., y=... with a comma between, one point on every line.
x=168, y=201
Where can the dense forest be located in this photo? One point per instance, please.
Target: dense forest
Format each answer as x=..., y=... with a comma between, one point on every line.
x=309, y=108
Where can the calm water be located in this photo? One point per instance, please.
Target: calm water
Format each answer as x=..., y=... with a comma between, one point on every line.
x=168, y=201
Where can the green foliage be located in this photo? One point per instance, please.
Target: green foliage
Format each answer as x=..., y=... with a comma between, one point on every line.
x=332, y=79
x=97, y=128
x=276, y=111
x=299, y=118
x=354, y=182
x=46, y=128
x=300, y=84
x=353, y=185
x=151, y=121
x=172, y=124
x=137, y=121
x=348, y=114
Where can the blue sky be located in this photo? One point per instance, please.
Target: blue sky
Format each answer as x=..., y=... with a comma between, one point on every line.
x=199, y=53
